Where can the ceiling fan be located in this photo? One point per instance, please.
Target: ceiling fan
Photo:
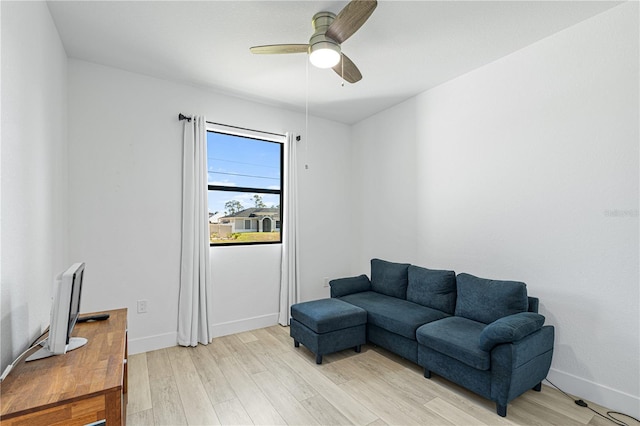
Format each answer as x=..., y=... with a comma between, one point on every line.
x=330, y=31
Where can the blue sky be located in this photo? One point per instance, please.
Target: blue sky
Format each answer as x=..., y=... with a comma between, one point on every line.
x=238, y=161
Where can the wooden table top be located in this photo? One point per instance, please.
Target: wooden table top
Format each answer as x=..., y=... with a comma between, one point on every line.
x=89, y=370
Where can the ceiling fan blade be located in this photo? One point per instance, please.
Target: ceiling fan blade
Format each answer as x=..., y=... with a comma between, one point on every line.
x=348, y=70
x=350, y=19
x=280, y=48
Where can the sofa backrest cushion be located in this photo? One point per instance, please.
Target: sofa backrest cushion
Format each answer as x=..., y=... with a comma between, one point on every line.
x=432, y=288
x=485, y=300
x=389, y=278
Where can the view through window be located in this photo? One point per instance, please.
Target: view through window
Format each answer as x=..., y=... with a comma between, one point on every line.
x=245, y=189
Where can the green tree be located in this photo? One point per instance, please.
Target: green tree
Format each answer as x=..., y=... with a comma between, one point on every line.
x=232, y=207
x=258, y=201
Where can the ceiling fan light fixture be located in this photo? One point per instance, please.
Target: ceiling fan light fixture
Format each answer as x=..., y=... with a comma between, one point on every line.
x=330, y=31
x=324, y=54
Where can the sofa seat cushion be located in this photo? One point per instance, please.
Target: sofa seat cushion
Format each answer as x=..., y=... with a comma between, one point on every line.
x=393, y=314
x=458, y=338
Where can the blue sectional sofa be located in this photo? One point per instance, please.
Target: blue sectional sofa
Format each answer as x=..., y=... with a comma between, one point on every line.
x=485, y=335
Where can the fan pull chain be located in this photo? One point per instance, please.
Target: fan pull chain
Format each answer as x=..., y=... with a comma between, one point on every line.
x=342, y=65
x=306, y=117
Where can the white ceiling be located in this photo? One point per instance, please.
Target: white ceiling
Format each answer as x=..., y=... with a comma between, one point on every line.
x=405, y=48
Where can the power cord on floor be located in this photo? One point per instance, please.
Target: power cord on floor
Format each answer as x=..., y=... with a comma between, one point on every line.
x=609, y=416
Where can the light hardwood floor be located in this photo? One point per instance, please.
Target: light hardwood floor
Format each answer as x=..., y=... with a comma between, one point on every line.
x=258, y=377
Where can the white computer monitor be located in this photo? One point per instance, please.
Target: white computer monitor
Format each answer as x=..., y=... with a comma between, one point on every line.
x=64, y=314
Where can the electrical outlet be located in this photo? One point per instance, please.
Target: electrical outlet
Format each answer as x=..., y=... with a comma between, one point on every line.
x=326, y=282
x=142, y=306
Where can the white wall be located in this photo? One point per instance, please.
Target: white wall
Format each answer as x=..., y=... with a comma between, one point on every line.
x=385, y=198
x=125, y=189
x=528, y=169
x=34, y=179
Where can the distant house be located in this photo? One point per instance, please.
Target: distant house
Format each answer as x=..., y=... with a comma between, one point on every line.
x=254, y=220
x=215, y=217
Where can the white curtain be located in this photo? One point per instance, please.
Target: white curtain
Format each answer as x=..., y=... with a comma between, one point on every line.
x=290, y=274
x=195, y=299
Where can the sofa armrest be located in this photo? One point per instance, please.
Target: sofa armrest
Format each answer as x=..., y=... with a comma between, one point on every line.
x=343, y=286
x=510, y=329
x=522, y=365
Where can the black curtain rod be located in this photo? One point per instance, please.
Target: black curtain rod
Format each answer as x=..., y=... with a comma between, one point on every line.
x=181, y=117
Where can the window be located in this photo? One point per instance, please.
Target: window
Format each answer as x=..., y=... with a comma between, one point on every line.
x=245, y=186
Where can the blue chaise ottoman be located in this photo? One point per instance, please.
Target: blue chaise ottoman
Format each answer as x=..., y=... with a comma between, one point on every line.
x=328, y=325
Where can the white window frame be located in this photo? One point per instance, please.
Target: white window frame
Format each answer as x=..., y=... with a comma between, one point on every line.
x=263, y=136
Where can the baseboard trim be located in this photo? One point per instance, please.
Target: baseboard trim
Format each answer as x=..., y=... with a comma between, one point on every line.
x=600, y=394
x=152, y=343
x=167, y=340
x=246, y=324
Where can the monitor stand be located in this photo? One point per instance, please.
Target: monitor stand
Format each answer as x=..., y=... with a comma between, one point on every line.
x=44, y=352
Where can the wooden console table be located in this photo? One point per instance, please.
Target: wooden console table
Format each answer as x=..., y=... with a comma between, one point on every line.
x=83, y=386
